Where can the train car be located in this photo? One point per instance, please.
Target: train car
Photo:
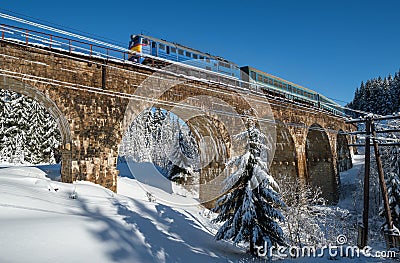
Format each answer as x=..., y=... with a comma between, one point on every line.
x=279, y=87
x=142, y=44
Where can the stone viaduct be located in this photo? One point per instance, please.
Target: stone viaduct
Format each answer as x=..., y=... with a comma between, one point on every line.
x=94, y=100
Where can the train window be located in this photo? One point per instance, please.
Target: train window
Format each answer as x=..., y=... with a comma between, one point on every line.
x=173, y=50
x=223, y=64
x=135, y=40
x=259, y=77
x=208, y=68
x=145, y=41
x=201, y=57
x=195, y=56
x=188, y=54
x=153, y=44
x=161, y=46
x=265, y=80
x=290, y=88
x=253, y=75
x=180, y=52
x=168, y=48
x=208, y=60
x=271, y=81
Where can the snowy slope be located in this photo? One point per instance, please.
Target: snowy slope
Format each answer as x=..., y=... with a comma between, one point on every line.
x=39, y=222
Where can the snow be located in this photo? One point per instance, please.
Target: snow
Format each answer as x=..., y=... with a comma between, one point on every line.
x=349, y=177
x=148, y=174
x=39, y=222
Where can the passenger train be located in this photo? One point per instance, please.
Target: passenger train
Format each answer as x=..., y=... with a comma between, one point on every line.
x=267, y=83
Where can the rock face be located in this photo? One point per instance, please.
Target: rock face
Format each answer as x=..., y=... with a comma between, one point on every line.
x=94, y=101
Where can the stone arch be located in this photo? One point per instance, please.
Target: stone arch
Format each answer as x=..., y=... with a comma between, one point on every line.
x=12, y=84
x=201, y=111
x=25, y=89
x=285, y=158
x=211, y=135
x=320, y=168
x=214, y=143
x=344, y=161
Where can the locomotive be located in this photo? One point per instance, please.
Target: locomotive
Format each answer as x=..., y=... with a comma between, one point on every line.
x=229, y=71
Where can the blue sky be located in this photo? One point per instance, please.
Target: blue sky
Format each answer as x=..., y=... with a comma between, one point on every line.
x=328, y=45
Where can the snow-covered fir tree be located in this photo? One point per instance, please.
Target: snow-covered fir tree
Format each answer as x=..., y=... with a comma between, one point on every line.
x=379, y=96
x=28, y=133
x=184, y=158
x=249, y=207
x=393, y=187
x=391, y=165
x=158, y=136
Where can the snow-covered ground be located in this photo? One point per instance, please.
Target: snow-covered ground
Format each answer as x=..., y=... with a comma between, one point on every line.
x=40, y=222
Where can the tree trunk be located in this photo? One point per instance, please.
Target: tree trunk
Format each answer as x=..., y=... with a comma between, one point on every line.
x=252, y=250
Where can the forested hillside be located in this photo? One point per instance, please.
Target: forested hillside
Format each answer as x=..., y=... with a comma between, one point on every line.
x=379, y=96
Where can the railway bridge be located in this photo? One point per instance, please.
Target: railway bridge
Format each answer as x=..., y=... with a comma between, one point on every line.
x=94, y=99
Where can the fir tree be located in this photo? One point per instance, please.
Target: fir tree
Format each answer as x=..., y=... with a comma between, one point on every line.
x=14, y=123
x=393, y=182
x=184, y=157
x=158, y=136
x=393, y=187
x=249, y=206
x=379, y=96
x=51, y=139
x=395, y=89
x=157, y=118
x=28, y=133
x=35, y=132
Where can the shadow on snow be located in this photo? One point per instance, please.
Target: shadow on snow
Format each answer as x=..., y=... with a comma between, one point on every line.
x=160, y=235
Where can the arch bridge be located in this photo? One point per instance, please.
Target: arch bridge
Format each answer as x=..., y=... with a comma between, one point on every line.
x=94, y=99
